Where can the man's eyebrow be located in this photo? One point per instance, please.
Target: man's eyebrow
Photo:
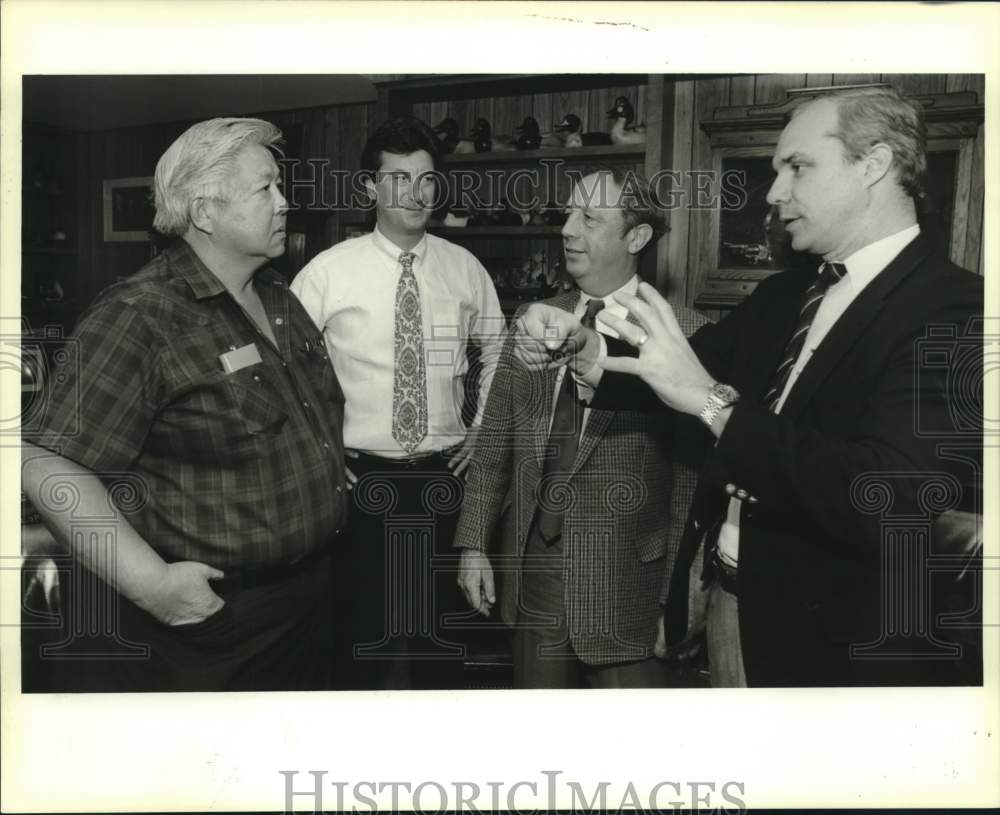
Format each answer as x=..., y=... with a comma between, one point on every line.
x=794, y=157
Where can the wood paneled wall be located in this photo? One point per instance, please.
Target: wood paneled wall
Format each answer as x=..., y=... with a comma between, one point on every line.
x=334, y=133
x=338, y=134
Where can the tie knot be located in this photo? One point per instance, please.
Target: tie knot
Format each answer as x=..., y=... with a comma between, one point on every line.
x=830, y=273
x=593, y=306
x=406, y=259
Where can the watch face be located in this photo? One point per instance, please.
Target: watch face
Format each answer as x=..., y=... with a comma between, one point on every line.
x=726, y=394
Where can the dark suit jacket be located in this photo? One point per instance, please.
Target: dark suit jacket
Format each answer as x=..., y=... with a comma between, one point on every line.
x=629, y=493
x=850, y=455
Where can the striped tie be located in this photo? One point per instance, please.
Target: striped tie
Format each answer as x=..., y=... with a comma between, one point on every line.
x=829, y=273
x=567, y=424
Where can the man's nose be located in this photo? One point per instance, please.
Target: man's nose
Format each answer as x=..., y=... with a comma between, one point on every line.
x=570, y=228
x=778, y=192
x=282, y=203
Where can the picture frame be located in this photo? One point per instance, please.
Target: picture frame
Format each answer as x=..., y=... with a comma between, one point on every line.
x=128, y=209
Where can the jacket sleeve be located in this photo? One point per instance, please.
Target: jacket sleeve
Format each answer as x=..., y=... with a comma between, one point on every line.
x=489, y=473
x=829, y=481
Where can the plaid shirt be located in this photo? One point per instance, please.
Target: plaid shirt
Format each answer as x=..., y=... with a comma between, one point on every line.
x=239, y=470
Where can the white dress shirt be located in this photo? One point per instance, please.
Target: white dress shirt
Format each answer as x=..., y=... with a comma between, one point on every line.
x=584, y=390
x=862, y=268
x=350, y=292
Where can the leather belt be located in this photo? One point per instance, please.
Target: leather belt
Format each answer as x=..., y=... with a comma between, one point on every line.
x=237, y=579
x=410, y=463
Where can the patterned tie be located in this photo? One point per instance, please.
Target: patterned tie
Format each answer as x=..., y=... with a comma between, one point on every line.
x=567, y=422
x=829, y=273
x=409, y=386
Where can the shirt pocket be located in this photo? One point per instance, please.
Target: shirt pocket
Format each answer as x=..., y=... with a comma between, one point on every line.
x=256, y=402
x=213, y=416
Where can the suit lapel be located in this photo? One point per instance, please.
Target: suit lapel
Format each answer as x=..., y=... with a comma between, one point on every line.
x=547, y=383
x=597, y=424
x=851, y=325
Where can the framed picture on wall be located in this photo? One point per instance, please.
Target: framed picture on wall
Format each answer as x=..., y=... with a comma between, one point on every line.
x=128, y=209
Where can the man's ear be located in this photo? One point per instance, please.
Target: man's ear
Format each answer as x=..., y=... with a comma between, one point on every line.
x=199, y=213
x=878, y=162
x=370, y=188
x=638, y=236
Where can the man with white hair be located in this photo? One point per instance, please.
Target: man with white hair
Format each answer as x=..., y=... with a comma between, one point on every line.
x=202, y=385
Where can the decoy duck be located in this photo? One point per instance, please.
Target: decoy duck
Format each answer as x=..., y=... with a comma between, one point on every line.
x=624, y=114
x=456, y=216
x=571, y=128
x=482, y=138
x=529, y=138
x=448, y=139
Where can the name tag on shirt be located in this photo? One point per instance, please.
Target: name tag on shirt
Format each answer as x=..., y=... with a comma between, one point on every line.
x=239, y=358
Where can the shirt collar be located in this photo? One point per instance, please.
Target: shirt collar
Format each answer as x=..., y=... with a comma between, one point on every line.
x=203, y=284
x=383, y=244
x=187, y=265
x=631, y=286
x=865, y=264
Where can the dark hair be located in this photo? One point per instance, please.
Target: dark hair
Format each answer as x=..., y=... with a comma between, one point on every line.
x=868, y=116
x=402, y=135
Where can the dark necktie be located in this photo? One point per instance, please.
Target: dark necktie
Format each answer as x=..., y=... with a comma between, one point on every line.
x=829, y=273
x=567, y=421
x=409, y=386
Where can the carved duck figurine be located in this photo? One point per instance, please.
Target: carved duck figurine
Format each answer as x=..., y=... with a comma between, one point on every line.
x=529, y=135
x=622, y=131
x=483, y=140
x=571, y=127
x=448, y=139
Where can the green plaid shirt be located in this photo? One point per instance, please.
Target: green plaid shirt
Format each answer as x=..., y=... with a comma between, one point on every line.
x=239, y=470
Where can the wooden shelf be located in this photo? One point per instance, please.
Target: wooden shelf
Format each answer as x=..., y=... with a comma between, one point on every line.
x=635, y=152
x=497, y=231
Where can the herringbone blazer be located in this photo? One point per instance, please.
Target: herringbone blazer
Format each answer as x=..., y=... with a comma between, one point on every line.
x=628, y=495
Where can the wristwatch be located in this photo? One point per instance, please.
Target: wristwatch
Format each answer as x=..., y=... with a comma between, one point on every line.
x=719, y=396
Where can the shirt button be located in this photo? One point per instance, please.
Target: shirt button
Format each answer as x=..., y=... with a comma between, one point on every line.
x=340, y=489
x=278, y=321
x=305, y=404
x=327, y=446
x=284, y=365
x=256, y=378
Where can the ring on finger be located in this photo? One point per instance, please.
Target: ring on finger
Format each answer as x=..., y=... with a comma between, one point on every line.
x=641, y=341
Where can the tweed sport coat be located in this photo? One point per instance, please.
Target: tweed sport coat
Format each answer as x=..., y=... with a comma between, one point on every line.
x=629, y=492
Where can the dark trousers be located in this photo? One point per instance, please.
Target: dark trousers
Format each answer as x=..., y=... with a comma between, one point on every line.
x=396, y=579
x=543, y=653
x=271, y=635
